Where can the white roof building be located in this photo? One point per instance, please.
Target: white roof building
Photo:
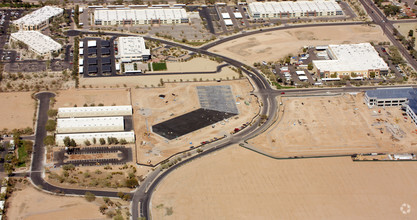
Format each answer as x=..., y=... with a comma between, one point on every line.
x=38, y=18
x=237, y=15
x=294, y=9
x=3, y=189
x=302, y=77
x=154, y=15
x=226, y=15
x=92, y=43
x=228, y=22
x=96, y=124
x=96, y=111
x=300, y=72
x=37, y=42
x=79, y=138
x=351, y=58
x=132, y=48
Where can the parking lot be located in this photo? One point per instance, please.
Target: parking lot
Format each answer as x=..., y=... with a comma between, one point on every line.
x=124, y=155
x=98, y=57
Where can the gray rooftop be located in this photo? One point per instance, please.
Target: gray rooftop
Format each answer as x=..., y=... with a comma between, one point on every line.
x=393, y=93
x=219, y=98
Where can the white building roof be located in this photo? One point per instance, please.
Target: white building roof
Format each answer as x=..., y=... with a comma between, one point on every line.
x=95, y=111
x=140, y=14
x=2, y=205
x=303, y=78
x=81, y=44
x=351, y=57
x=92, y=43
x=293, y=7
x=78, y=136
x=228, y=22
x=81, y=62
x=39, y=16
x=37, y=41
x=237, y=15
x=226, y=15
x=130, y=47
x=88, y=123
x=3, y=190
x=300, y=72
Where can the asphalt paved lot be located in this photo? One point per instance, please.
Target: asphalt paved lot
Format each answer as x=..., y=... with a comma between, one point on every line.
x=124, y=156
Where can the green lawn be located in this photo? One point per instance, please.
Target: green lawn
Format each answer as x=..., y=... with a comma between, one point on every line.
x=159, y=66
x=22, y=156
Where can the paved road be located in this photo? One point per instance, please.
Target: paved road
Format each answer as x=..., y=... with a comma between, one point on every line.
x=380, y=19
x=38, y=159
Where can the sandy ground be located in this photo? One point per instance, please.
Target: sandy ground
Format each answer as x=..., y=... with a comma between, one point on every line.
x=18, y=110
x=150, y=110
x=79, y=97
x=30, y=204
x=194, y=65
x=197, y=64
x=404, y=28
x=315, y=126
x=236, y=183
x=273, y=46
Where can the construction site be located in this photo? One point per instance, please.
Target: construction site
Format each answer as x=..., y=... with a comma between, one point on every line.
x=182, y=116
x=315, y=126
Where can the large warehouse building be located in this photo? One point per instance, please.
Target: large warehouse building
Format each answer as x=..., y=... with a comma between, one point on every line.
x=96, y=124
x=37, y=42
x=128, y=16
x=385, y=97
x=290, y=9
x=79, y=138
x=121, y=110
x=38, y=19
x=87, y=123
x=361, y=59
x=132, y=49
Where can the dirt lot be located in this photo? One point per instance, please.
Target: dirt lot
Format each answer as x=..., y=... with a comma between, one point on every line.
x=194, y=65
x=404, y=28
x=18, y=110
x=315, y=126
x=236, y=183
x=33, y=204
x=273, y=46
x=150, y=109
x=79, y=97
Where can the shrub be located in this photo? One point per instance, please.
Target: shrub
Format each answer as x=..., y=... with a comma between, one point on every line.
x=50, y=125
x=90, y=196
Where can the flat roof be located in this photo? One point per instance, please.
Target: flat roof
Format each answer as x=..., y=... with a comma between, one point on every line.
x=228, y=22
x=92, y=43
x=391, y=93
x=39, y=16
x=293, y=7
x=237, y=15
x=92, y=122
x=140, y=14
x=225, y=15
x=123, y=134
x=351, y=58
x=95, y=109
x=39, y=42
x=132, y=47
x=300, y=72
x=303, y=77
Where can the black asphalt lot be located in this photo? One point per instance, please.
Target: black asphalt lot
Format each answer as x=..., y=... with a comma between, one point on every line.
x=204, y=13
x=189, y=122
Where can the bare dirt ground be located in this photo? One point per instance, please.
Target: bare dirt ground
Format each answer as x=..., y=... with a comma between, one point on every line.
x=336, y=125
x=150, y=110
x=404, y=28
x=18, y=110
x=273, y=46
x=79, y=97
x=35, y=205
x=236, y=183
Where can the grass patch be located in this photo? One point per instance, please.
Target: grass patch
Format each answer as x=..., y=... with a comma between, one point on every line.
x=159, y=66
x=23, y=154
